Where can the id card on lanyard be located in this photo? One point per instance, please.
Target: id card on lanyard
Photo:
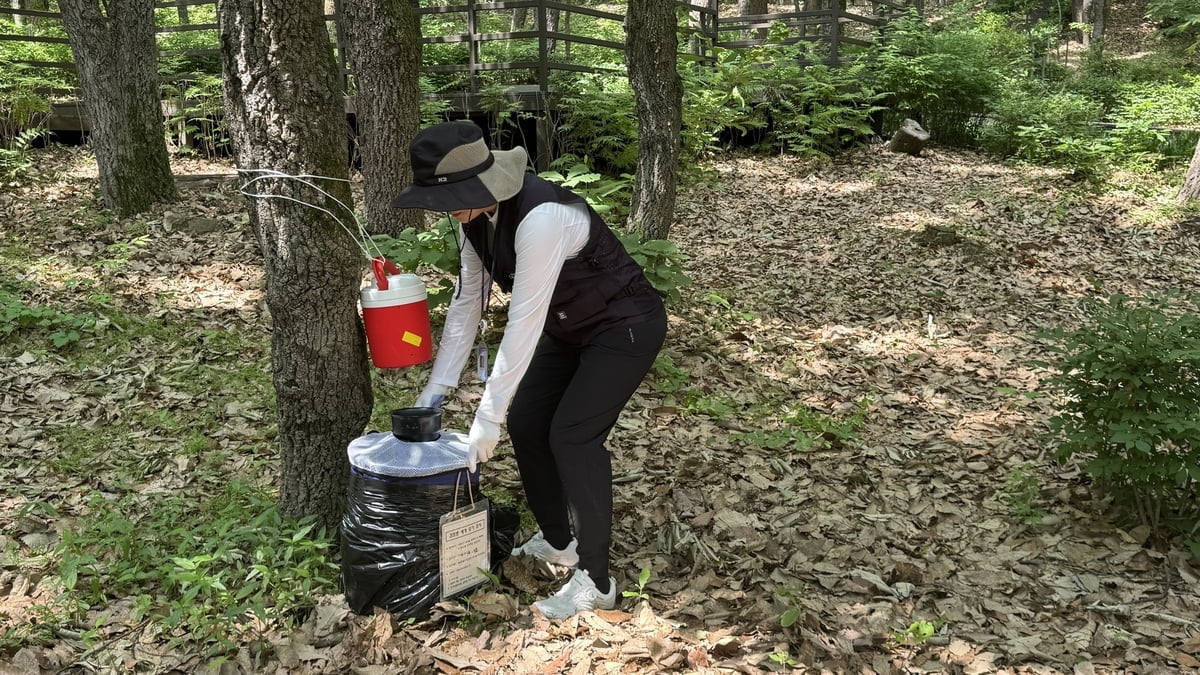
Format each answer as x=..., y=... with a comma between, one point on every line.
x=482, y=354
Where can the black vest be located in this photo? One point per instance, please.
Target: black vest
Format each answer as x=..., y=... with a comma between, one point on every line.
x=601, y=286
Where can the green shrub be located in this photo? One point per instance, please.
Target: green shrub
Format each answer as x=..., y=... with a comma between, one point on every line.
x=808, y=110
x=1177, y=18
x=197, y=121
x=231, y=567
x=433, y=109
x=1100, y=78
x=818, y=111
x=1172, y=104
x=599, y=122
x=14, y=159
x=1129, y=385
x=722, y=98
x=954, y=65
x=1057, y=128
x=22, y=106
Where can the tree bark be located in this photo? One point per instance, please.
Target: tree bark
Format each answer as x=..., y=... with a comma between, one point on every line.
x=1191, y=182
x=1100, y=13
x=117, y=63
x=752, y=8
x=650, y=43
x=284, y=108
x=551, y=27
x=384, y=46
x=520, y=16
x=1081, y=13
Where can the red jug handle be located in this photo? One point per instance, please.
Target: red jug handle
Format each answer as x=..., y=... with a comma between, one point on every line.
x=382, y=267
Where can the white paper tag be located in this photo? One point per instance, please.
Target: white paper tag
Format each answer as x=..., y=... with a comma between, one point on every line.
x=464, y=548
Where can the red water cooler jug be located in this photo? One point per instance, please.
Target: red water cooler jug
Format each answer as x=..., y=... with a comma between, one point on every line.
x=395, y=312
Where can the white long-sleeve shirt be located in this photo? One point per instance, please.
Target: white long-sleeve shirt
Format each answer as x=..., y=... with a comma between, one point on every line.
x=550, y=234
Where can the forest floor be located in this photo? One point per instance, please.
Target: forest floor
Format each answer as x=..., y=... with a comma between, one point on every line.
x=845, y=434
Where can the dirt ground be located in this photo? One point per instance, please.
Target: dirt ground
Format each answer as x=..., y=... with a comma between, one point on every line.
x=900, y=296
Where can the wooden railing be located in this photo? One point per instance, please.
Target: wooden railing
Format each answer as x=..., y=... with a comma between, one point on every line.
x=828, y=29
x=468, y=56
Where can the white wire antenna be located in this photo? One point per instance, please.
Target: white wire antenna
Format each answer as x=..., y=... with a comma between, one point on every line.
x=359, y=233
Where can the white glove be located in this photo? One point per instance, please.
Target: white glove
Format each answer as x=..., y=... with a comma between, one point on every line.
x=432, y=396
x=483, y=438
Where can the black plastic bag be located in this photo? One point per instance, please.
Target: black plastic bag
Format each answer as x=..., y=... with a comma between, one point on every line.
x=390, y=540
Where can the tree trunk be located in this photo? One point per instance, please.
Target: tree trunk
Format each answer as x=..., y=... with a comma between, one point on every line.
x=551, y=27
x=1081, y=13
x=117, y=63
x=519, y=17
x=752, y=8
x=284, y=108
x=384, y=45
x=1099, y=11
x=1191, y=182
x=34, y=5
x=651, y=55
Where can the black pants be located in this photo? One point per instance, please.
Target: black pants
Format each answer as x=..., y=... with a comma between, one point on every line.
x=559, y=419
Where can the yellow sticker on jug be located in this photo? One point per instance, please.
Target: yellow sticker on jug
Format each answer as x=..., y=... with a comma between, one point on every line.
x=411, y=338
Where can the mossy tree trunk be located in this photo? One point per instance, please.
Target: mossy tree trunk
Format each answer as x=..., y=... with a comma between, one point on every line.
x=117, y=62
x=384, y=47
x=284, y=108
x=651, y=54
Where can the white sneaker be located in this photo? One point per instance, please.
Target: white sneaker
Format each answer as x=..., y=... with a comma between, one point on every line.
x=539, y=548
x=579, y=595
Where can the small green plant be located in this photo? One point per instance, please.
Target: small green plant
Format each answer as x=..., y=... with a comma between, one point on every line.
x=1087, y=157
x=1128, y=382
x=793, y=610
x=918, y=632
x=25, y=101
x=604, y=194
x=433, y=108
x=804, y=430
x=1021, y=494
x=196, y=119
x=661, y=261
x=435, y=248
x=829, y=431
x=60, y=328
x=668, y=377
x=783, y=659
x=121, y=252
x=504, y=111
x=726, y=315
x=640, y=593
x=709, y=405
x=14, y=159
x=211, y=573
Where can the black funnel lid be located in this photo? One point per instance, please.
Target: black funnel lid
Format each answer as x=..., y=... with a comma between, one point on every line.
x=416, y=425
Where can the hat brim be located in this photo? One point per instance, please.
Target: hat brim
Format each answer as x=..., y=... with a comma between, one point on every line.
x=500, y=181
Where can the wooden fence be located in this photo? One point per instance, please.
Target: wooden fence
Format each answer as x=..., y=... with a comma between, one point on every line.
x=471, y=59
